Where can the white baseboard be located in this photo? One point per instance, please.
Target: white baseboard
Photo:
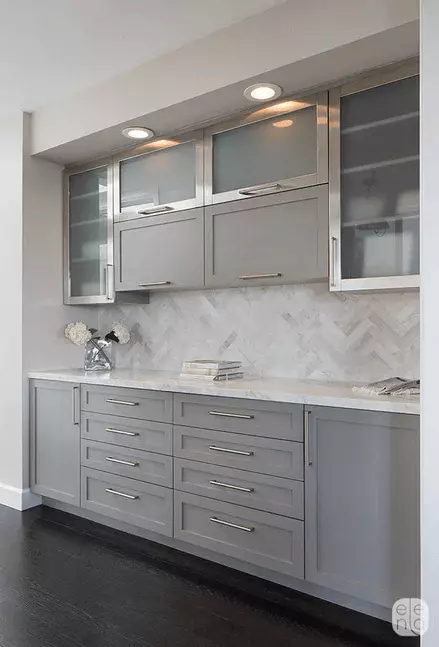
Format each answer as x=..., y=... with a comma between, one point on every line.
x=18, y=499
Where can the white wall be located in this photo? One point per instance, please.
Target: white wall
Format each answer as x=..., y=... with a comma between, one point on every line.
x=430, y=314
x=288, y=33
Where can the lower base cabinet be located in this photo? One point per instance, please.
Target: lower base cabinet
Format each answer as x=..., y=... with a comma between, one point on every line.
x=362, y=504
x=340, y=510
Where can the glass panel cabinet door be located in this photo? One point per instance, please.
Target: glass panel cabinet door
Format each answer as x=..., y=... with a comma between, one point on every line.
x=280, y=147
x=89, y=240
x=379, y=185
x=160, y=176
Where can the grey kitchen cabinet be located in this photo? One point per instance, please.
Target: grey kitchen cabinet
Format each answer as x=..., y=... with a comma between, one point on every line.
x=374, y=180
x=362, y=503
x=55, y=440
x=88, y=234
x=274, y=148
x=160, y=176
x=268, y=240
x=160, y=252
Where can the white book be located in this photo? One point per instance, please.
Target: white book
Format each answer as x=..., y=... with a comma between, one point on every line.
x=213, y=378
x=210, y=364
x=210, y=371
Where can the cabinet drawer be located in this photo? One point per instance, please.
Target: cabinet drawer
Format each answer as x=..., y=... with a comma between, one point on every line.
x=257, y=537
x=133, y=463
x=269, y=493
x=141, y=504
x=150, y=436
x=268, y=419
x=130, y=403
x=263, y=455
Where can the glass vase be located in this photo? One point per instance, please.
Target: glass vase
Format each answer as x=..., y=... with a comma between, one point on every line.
x=98, y=355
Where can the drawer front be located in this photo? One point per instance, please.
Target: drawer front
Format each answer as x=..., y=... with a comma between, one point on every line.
x=268, y=419
x=269, y=493
x=130, y=403
x=140, y=504
x=133, y=463
x=262, y=455
x=260, y=538
x=150, y=436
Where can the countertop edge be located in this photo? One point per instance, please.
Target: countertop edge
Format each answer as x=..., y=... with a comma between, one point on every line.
x=389, y=404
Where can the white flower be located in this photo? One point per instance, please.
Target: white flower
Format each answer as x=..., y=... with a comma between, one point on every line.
x=78, y=333
x=122, y=333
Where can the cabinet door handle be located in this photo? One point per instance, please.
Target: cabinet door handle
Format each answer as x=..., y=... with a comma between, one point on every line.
x=334, y=242
x=154, y=284
x=231, y=525
x=231, y=415
x=232, y=487
x=306, y=415
x=121, y=433
x=110, y=282
x=75, y=393
x=153, y=210
x=120, y=462
x=132, y=497
x=247, y=277
x=230, y=451
x=261, y=188
x=124, y=402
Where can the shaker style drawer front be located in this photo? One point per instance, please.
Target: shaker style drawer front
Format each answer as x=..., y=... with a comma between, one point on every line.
x=133, y=463
x=130, y=403
x=256, y=537
x=262, y=455
x=271, y=420
x=269, y=493
x=149, y=436
x=134, y=502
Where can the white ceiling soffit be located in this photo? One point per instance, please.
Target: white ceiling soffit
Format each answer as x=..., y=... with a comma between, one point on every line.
x=205, y=79
x=53, y=48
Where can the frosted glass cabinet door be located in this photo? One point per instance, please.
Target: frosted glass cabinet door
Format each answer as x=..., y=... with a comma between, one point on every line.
x=379, y=185
x=272, y=149
x=88, y=236
x=161, y=176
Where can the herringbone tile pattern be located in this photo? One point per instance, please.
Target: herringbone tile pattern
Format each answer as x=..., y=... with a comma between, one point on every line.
x=288, y=331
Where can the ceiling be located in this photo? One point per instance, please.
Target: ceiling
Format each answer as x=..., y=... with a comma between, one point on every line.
x=53, y=48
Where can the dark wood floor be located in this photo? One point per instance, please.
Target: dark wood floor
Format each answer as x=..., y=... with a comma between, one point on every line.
x=60, y=587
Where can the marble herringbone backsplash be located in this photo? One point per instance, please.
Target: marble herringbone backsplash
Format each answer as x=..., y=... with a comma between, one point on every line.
x=287, y=331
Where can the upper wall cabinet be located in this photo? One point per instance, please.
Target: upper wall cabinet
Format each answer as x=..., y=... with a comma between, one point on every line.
x=88, y=235
x=374, y=181
x=161, y=176
x=275, y=148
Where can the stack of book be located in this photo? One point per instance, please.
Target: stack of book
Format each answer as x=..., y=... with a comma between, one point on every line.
x=213, y=370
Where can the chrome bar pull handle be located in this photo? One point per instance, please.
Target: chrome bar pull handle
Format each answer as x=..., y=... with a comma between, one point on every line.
x=110, y=282
x=334, y=242
x=75, y=394
x=124, y=402
x=260, y=189
x=306, y=415
x=248, y=277
x=132, y=497
x=153, y=210
x=224, y=414
x=232, y=487
x=121, y=433
x=121, y=462
x=215, y=448
x=231, y=525
x=153, y=284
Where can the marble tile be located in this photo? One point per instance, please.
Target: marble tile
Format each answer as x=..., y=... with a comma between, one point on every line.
x=301, y=332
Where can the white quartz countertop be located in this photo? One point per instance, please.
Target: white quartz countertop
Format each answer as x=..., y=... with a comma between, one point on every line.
x=331, y=394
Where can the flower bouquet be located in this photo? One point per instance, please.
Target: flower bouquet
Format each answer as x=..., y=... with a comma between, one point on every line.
x=98, y=352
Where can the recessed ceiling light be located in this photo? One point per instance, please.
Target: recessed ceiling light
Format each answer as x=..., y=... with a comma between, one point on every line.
x=262, y=92
x=137, y=132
